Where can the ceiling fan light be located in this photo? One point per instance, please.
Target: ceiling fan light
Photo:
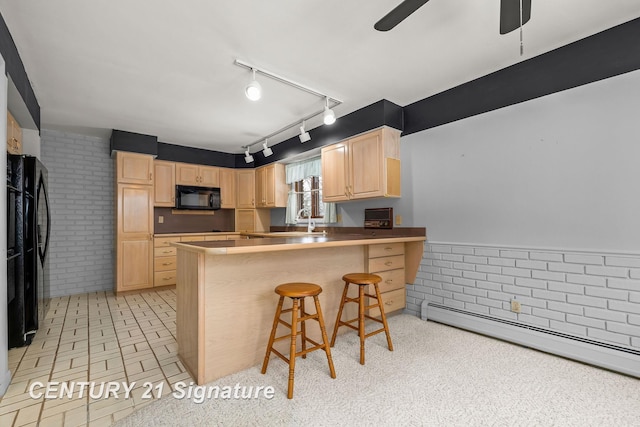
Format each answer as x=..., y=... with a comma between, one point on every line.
x=329, y=116
x=248, y=158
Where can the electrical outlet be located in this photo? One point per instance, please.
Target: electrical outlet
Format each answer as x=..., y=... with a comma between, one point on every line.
x=339, y=218
x=160, y=219
x=398, y=219
x=515, y=306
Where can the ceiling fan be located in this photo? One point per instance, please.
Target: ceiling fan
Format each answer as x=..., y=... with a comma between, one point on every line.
x=511, y=12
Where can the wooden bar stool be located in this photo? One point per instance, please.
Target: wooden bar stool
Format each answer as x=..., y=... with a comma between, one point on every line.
x=297, y=292
x=362, y=280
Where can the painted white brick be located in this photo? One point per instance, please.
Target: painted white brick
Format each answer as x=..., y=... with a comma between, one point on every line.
x=450, y=272
x=586, y=280
x=524, y=309
x=453, y=303
x=549, y=314
x=622, y=328
x=475, y=259
x=549, y=295
x=489, y=302
x=507, y=262
x=504, y=314
x=534, y=265
x=634, y=274
x=548, y=275
x=566, y=268
x=533, y=320
x=631, y=285
x=445, y=249
x=435, y=299
x=634, y=320
x=476, y=308
x=546, y=256
x=608, y=336
x=501, y=279
x=608, y=293
x=586, y=321
x=488, y=269
x=445, y=264
x=441, y=278
x=442, y=294
x=622, y=261
x=627, y=307
x=431, y=255
x=462, y=250
x=451, y=257
x=465, y=298
x=487, y=252
x=599, y=313
x=634, y=297
x=432, y=284
x=607, y=271
x=424, y=275
x=586, y=301
x=532, y=283
x=516, y=290
x=568, y=328
x=432, y=270
x=564, y=307
x=584, y=259
x=464, y=266
x=474, y=275
x=488, y=285
x=500, y=296
x=518, y=272
x=514, y=254
x=527, y=301
x=565, y=287
x=464, y=282
x=635, y=342
x=476, y=292
x=452, y=288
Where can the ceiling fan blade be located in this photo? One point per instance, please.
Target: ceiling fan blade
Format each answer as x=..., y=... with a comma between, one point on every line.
x=399, y=14
x=510, y=14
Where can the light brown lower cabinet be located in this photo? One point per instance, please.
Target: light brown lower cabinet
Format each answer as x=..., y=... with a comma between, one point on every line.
x=388, y=262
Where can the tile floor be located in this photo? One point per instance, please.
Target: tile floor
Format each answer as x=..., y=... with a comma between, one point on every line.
x=98, y=338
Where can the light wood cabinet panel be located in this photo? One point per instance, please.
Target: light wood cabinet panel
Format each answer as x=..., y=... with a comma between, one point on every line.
x=392, y=301
x=198, y=175
x=245, y=189
x=135, y=248
x=388, y=262
x=14, y=135
x=271, y=187
x=134, y=168
x=164, y=184
x=252, y=220
x=227, y=188
x=363, y=167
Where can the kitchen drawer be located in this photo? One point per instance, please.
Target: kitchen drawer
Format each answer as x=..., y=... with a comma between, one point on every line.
x=159, y=242
x=164, y=251
x=164, y=263
x=376, y=251
x=386, y=263
x=222, y=237
x=194, y=238
x=391, y=280
x=165, y=278
x=394, y=300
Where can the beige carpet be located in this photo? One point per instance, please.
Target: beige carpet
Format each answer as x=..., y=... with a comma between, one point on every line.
x=437, y=376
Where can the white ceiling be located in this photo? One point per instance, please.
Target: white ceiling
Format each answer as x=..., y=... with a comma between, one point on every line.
x=166, y=68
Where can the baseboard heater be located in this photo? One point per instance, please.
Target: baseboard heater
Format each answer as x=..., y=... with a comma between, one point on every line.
x=610, y=356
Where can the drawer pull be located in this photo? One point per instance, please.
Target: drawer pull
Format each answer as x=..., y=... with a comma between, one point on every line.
x=167, y=278
x=388, y=281
x=167, y=263
x=166, y=252
x=388, y=263
x=388, y=248
x=388, y=302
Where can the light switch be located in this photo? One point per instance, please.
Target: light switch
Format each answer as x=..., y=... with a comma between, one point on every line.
x=160, y=219
x=398, y=219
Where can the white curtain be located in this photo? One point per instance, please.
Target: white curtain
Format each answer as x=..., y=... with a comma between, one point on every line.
x=296, y=172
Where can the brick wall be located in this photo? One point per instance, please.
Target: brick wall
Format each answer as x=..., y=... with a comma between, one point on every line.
x=590, y=295
x=81, y=194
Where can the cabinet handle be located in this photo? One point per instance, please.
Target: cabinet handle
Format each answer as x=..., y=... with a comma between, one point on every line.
x=150, y=176
x=167, y=278
x=388, y=263
x=388, y=302
x=388, y=281
x=388, y=248
x=166, y=263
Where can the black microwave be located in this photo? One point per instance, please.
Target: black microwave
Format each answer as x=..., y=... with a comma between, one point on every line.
x=197, y=198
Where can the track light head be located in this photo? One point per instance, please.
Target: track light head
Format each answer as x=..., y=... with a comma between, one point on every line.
x=248, y=158
x=266, y=150
x=304, y=135
x=253, y=90
x=329, y=116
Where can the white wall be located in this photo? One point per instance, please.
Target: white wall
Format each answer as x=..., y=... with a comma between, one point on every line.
x=5, y=375
x=561, y=171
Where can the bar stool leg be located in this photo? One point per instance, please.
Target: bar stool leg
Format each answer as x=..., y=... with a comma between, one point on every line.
x=325, y=340
x=342, y=301
x=292, y=351
x=361, y=321
x=383, y=316
x=273, y=335
x=303, y=331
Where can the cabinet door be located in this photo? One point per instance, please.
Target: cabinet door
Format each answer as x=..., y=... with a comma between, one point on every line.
x=209, y=176
x=367, y=168
x=134, y=168
x=227, y=188
x=334, y=173
x=261, y=186
x=164, y=184
x=245, y=220
x=245, y=188
x=134, y=236
x=186, y=174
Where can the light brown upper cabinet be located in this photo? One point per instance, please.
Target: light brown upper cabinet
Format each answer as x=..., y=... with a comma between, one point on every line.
x=202, y=176
x=134, y=168
x=271, y=188
x=227, y=188
x=245, y=188
x=366, y=166
x=164, y=184
x=14, y=135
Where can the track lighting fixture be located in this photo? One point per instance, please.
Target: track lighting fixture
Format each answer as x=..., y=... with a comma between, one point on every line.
x=329, y=116
x=248, y=158
x=304, y=135
x=253, y=89
x=266, y=150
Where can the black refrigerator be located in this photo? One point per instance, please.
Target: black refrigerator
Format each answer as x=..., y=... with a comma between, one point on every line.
x=28, y=232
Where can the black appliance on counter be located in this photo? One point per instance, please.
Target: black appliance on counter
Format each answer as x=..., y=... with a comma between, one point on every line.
x=378, y=218
x=28, y=231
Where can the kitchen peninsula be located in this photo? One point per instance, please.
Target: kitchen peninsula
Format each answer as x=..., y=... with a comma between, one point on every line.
x=225, y=289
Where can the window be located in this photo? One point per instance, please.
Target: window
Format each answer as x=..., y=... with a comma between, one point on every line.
x=309, y=193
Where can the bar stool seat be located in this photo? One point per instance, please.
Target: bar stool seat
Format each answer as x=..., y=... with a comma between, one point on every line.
x=362, y=280
x=297, y=291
